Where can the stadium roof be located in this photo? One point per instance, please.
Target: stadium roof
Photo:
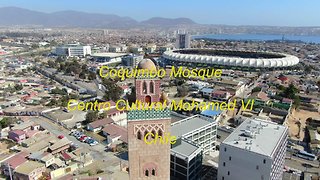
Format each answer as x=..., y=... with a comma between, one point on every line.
x=232, y=58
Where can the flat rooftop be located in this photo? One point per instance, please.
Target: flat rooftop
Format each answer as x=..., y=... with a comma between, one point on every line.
x=109, y=55
x=189, y=124
x=185, y=149
x=257, y=136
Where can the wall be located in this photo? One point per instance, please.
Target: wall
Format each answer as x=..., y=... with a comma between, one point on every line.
x=243, y=164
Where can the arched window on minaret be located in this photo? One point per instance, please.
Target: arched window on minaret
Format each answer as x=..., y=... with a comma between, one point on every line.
x=151, y=87
x=144, y=87
x=153, y=172
x=145, y=134
x=154, y=134
x=147, y=99
x=146, y=172
x=139, y=135
x=160, y=132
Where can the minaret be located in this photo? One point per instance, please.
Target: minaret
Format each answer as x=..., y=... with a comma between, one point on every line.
x=148, y=161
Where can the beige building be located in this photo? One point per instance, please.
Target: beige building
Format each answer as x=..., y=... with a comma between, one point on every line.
x=31, y=170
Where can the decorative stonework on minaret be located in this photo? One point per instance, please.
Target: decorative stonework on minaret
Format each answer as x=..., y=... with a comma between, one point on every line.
x=148, y=161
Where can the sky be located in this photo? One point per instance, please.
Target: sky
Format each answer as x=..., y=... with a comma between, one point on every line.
x=228, y=12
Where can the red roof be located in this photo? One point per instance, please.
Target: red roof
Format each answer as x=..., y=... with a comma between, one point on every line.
x=18, y=132
x=65, y=156
x=17, y=159
x=283, y=78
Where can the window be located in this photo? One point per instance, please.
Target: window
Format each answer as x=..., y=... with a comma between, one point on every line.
x=145, y=134
x=225, y=149
x=224, y=164
x=229, y=158
x=154, y=134
x=146, y=172
x=144, y=87
x=151, y=87
x=153, y=172
x=264, y=161
x=257, y=167
x=222, y=178
x=139, y=135
x=228, y=173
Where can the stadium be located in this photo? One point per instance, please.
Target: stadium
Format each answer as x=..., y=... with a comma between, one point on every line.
x=229, y=59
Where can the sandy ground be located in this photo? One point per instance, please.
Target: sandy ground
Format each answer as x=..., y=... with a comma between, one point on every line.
x=293, y=122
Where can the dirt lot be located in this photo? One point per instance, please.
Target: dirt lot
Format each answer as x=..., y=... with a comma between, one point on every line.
x=294, y=120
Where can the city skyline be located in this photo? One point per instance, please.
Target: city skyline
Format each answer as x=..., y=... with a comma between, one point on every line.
x=268, y=13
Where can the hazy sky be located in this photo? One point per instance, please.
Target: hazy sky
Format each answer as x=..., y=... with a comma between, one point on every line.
x=231, y=12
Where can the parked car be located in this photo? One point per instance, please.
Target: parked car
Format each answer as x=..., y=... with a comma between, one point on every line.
x=61, y=136
x=82, y=138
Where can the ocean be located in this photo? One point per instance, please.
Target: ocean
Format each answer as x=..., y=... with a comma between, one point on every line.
x=260, y=37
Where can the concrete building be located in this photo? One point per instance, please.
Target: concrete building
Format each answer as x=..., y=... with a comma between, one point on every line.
x=255, y=150
x=131, y=60
x=73, y=50
x=108, y=58
x=31, y=170
x=183, y=40
x=199, y=129
x=186, y=160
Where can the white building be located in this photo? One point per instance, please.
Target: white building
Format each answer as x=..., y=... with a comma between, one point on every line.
x=255, y=150
x=73, y=50
x=108, y=58
x=183, y=40
x=199, y=129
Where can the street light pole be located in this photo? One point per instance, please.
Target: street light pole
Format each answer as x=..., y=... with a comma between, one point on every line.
x=9, y=171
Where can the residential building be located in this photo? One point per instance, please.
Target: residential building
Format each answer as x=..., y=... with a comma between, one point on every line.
x=99, y=124
x=14, y=162
x=43, y=157
x=59, y=146
x=31, y=170
x=114, y=133
x=183, y=40
x=254, y=150
x=17, y=135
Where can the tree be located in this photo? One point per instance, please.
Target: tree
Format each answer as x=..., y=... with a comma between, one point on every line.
x=296, y=102
x=91, y=116
x=307, y=69
x=113, y=91
x=82, y=75
x=182, y=91
x=92, y=76
x=18, y=87
x=52, y=64
x=256, y=89
x=290, y=91
x=6, y=121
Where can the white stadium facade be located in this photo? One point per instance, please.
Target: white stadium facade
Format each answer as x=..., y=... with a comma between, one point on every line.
x=230, y=58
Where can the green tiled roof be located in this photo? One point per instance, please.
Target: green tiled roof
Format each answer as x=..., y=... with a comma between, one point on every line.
x=149, y=114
